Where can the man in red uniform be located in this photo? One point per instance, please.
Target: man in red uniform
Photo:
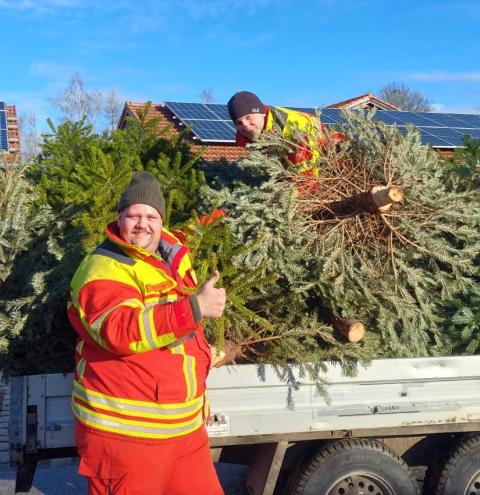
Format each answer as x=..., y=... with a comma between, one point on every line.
x=141, y=358
x=251, y=118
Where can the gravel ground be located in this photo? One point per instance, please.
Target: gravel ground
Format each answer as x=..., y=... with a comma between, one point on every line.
x=59, y=477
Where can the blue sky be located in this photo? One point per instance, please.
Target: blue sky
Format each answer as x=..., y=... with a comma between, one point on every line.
x=301, y=53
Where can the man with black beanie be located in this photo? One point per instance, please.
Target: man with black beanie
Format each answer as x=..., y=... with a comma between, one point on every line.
x=251, y=118
x=141, y=357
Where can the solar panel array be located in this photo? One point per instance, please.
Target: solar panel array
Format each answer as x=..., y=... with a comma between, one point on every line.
x=211, y=123
x=440, y=130
x=3, y=128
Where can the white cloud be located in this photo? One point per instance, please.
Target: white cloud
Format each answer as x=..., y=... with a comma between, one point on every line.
x=445, y=108
x=149, y=15
x=444, y=76
x=34, y=7
x=467, y=10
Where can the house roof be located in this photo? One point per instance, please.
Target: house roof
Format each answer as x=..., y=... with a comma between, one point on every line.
x=365, y=101
x=212, y=152
x=177, y=115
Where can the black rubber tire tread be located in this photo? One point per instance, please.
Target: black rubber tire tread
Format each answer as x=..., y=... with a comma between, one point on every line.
x=439, y=473
x=308, y=469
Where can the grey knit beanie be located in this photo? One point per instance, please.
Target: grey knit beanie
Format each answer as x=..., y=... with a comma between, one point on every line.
x=144, y=189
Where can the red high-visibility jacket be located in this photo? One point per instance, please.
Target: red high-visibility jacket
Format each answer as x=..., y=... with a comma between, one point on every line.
x=305, y=154
x=142, y=359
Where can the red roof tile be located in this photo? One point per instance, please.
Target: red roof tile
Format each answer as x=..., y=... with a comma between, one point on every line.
x=213, y=152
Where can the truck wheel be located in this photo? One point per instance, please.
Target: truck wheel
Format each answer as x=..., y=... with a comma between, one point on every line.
x=354, y=467
x=457, y=473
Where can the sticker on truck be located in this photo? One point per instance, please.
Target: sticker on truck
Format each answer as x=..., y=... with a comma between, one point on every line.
x=218, y=425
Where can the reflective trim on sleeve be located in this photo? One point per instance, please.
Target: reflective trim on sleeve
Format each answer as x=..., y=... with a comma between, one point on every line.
x=149, y=339
x=184, y=266
x=193, y=276
x=94, y=329
x=151, y=300
x=81, y=368
x=147, y=330
x=79, y=347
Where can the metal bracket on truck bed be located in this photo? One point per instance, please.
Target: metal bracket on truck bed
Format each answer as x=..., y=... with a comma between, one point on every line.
x=22, y=435
x=265, y=468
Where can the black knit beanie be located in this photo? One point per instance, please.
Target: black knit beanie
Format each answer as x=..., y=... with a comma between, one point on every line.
x=243, y=103
x=144, y=189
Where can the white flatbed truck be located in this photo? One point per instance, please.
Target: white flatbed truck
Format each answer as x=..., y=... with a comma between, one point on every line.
x=395, y=414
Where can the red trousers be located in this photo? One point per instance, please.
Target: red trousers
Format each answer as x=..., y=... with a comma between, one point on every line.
x=117, y=466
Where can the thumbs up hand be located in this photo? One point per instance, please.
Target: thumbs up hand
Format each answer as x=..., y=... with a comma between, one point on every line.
x=210, y=299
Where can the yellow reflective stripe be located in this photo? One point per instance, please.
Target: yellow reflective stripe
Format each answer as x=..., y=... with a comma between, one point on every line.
x=184, y=266
x=95, y=327
x=149, y=339
x=81, y=368
x=206, y=406
x=155, y=405
x=94, y=334
x=191, y=271
x=302, y=167
x=161, y=300
x=190, y=376
x=129, y=407
x=79, y=348
x=189, y=370
x=133, y=428
x=146, y=324
x=269, y=123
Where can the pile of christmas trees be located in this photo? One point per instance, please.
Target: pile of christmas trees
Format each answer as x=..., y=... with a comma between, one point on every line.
x=385, y=246
x=385, y=241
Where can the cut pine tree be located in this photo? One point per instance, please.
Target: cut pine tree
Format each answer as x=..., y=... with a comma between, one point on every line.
x=385, y=237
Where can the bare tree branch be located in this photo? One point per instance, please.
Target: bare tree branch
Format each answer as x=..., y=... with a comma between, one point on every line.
x=28, y=135
x=75, y=102
x=111, y=109
x=206, y=95
x=408, y=100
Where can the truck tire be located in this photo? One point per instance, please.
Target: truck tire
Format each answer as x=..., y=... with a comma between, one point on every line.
x=354, y=467
x=458, y=471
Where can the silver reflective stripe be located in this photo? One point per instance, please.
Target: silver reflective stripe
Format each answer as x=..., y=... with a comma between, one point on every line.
x=131, y=429
x=123, y=408
x=81, y=368
x=190, y=364
x=279, y=116
x=167, y=301
x=171, y=298
x=181, y=340
x=79, y=347
x=96, y=326
x=149, y=332
x=168, y=251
